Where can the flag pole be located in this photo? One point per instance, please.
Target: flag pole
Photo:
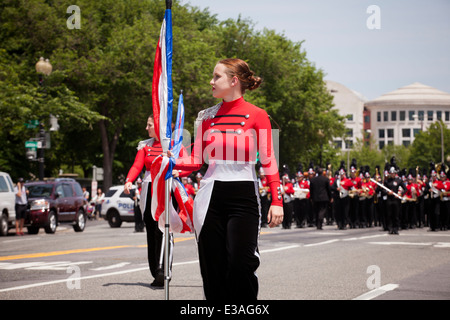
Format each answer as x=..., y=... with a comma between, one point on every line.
x=168, y=185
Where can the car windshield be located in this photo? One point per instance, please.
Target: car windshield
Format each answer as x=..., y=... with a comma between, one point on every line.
x=40, y=191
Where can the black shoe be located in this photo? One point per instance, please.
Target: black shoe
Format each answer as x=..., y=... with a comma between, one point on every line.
x=156, y=284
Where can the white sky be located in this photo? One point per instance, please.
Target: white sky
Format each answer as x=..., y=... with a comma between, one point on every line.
x=413, y=44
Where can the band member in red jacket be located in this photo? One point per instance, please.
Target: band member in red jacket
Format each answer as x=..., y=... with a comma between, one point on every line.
x=301, y=199
x=226, y=210
x=445, y=202
x=148, y=150
x=411, y=195
x=342, y=186
x=366, y=200
x=436, y=187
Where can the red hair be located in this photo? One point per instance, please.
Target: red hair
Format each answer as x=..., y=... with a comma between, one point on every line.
x=240, y=69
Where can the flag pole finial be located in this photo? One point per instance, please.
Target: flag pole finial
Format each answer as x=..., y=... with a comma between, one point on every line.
x=168, y=4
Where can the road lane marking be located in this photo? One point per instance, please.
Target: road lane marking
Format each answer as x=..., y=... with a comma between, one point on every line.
x=57, y=253
x=377, y=292
x=280, y=249
x=321, y=243
x=113, y=266
x=404, y=243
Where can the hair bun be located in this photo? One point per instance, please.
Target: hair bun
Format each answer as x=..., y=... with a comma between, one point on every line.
x=255, y=82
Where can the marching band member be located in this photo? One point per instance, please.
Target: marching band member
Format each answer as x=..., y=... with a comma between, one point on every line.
x=445, y=204
x=148, y=150
x=288, y=204
x=301, y=199
x=354, y=199
x=436, y=187
x=411, y=196
x=366, y=199
x=188, y=186
x=393, y=203
x=226, y=207
x=342, y=186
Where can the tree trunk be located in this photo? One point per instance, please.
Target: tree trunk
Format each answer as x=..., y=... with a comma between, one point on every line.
x=109, y=149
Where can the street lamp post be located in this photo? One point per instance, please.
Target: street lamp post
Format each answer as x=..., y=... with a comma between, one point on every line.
x=442, y=141
x=43, y=67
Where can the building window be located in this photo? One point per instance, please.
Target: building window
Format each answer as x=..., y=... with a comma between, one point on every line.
x=348, y=144
x=381, y=144
x=421, y=115
x=406, y=133
x=406, y=143
x=366, y=119
x=411, y=115
x=385, y=116
x=439, y=115
x=447, y=115
x=381, y=133
x=378, y=116
x=430, y=115
x=393, y=115
x=390, y=143
x=349, y=117
x=338, y=144
x=349, y=133
x=402, y=115
x=416, y=132
x=390, y=133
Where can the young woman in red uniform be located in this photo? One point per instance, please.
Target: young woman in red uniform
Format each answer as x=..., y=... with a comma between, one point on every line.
x=226, y=207
x=148, y=150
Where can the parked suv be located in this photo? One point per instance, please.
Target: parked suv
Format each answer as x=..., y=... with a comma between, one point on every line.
x=118, y=206
x=7, y=204
x=55, y=202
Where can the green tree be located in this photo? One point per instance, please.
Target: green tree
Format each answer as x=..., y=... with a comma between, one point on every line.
x=100, y=87
x=426, y=147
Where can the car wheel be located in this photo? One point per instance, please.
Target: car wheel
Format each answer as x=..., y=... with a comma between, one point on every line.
x=51, y=223
x=114, y=219
x=3, y=225
x=80, y=223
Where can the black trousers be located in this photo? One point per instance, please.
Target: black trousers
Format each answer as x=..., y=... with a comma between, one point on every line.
x=393, y=207
x=154, y=239
x=342, y=212
x=434, y=213
x=228, y=242
x=320, y=208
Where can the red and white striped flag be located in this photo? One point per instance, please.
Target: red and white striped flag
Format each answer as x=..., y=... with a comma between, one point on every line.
x=162, y=90
x=181, y=217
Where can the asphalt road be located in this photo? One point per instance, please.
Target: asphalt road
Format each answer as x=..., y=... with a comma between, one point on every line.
x=102, y=263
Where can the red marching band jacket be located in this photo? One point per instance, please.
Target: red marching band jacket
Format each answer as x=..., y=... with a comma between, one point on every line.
x=149, y=152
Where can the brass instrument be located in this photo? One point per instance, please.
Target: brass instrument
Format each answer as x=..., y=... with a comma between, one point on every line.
x=354, y=193
x=444, y=194
x=417, y=174
x=438, y=169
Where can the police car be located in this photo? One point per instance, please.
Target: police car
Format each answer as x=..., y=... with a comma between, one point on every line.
x=118, y=207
